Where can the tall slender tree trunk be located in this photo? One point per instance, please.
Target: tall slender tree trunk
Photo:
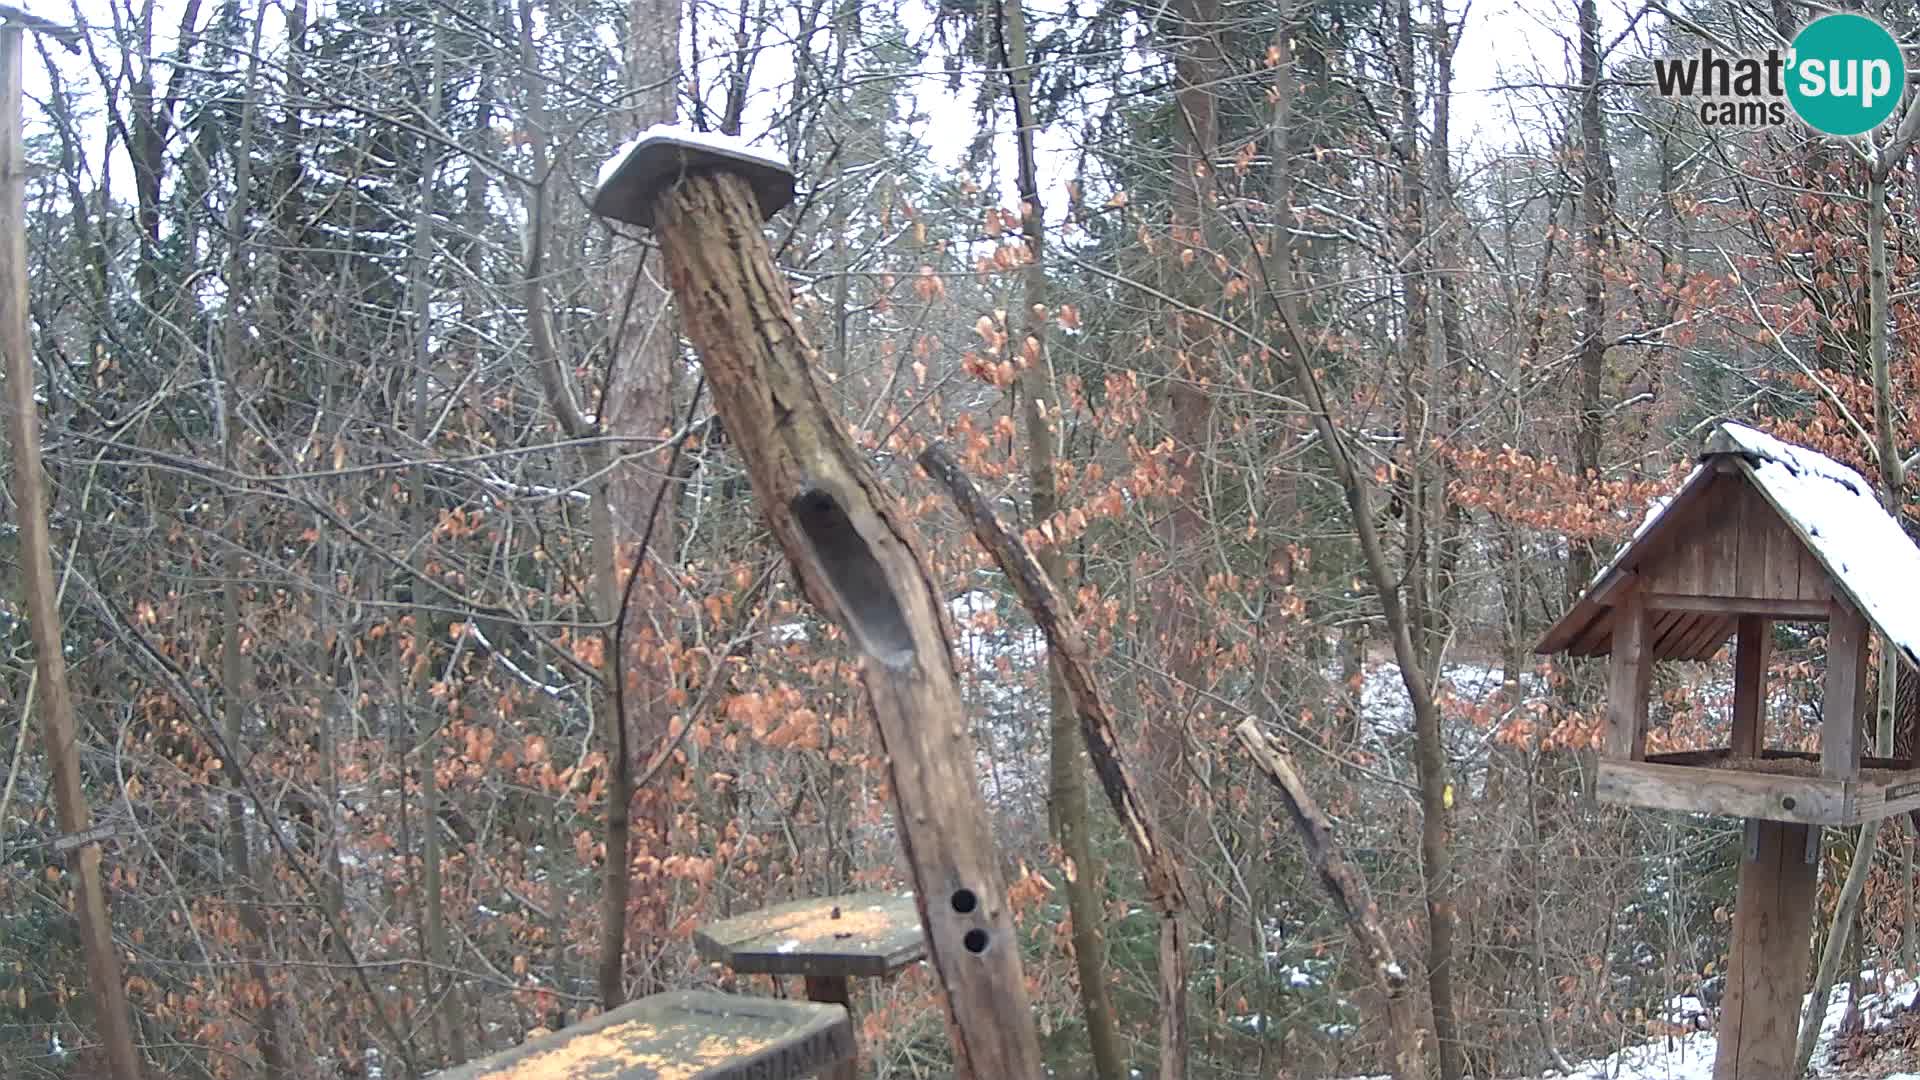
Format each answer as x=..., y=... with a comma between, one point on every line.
x=71, y=810
x=1449, y=260
x=638, y=406
x=443, y=992
x=236, y=690
x=1430, y=758
x=1067, y=773
x=1596, y=207
x=1179, y=624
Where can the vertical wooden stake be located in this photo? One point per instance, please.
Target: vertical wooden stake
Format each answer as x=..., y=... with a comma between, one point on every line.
x=835, y=990
x=1844, y=692
x=1750, y=685
x=1630, y=679
x=1767, y=971
x=43, y=615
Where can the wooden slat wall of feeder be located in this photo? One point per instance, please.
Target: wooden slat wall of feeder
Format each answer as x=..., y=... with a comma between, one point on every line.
x=1760, y=532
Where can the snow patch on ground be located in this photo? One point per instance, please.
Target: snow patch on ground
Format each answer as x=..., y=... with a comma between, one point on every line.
x=1690, y=1057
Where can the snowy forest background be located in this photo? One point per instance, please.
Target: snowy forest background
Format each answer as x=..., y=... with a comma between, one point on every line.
x=356, y=421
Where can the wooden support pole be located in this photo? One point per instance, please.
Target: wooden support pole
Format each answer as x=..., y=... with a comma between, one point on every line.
x=1767, y=971
x=1844, y=695
x=43, y=613
x=1752, y=643
x=1630, y=678
x=857, y=556
x=834, y=990
x=1166, y=890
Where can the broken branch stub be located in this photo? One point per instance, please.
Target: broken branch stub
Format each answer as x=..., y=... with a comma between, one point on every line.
x=1346, y=886
x=1067, y=645
x=858, y=559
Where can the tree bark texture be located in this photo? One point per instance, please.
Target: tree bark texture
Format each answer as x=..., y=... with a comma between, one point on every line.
x=1430, y=759
x=1595, y=207
x=1181, y=627
x=858, y=558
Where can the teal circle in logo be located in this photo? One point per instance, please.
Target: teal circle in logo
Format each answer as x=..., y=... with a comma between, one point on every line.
x=1846, y=75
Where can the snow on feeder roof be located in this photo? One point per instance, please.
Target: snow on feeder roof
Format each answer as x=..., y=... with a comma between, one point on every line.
x=648, y=164
x=1760, y=527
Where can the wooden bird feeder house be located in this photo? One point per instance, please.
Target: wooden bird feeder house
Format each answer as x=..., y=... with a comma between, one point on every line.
x=1761, y=531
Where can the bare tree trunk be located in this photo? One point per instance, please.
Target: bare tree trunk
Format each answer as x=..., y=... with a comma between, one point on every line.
x=1067, y=778
x=1596, y=205
x=236, y=691
x=632, y=506
x=1430, y=757
x=43, y=613
x=1180, y=625
x=443, y=996
x=1448, y=522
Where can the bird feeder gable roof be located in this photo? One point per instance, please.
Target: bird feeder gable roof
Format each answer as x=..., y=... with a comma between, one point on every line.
x=1833, y=524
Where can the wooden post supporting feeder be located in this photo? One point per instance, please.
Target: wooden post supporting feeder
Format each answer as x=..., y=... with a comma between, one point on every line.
x=1760, y=532
x=828, y=942
x=853, y=550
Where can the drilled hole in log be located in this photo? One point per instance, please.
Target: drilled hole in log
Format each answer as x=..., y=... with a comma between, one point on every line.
x=964, y=901
x=878, y=624
x=975, y=941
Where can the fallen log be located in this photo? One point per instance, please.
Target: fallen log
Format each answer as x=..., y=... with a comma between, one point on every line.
x=1067, y=646
x=854, y=551
x=1347, y=887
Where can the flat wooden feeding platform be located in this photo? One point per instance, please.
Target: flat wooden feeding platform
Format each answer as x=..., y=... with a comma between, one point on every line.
x=684, y=1035
x=1779, y=785
x=861, y=935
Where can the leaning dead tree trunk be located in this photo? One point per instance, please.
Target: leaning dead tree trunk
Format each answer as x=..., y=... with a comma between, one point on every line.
x=1072, y=659
x=43, y=610
x=1347, y=887
x=855, y=553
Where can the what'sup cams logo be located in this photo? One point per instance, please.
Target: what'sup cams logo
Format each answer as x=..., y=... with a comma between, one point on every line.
x=1843, y=76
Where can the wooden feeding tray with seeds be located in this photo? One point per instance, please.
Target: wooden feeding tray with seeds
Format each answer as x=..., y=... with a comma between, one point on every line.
x=684, y=1035
x=828, y=942
x=861, y=935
